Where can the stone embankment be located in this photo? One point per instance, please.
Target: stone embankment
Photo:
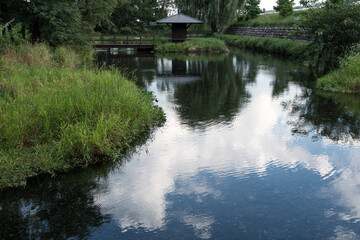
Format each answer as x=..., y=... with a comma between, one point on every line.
x=273, y=32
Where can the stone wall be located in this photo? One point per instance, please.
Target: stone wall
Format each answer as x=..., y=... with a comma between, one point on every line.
x=274, y=32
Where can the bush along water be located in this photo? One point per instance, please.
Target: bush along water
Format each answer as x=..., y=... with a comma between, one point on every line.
x=271, y=45
x=56, y=115
x=334, y=28
x=347, y=77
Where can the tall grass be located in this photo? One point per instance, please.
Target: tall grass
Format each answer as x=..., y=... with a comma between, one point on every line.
x=272, y=45
x=204, y=45
x=54, y=116
x=347, y=77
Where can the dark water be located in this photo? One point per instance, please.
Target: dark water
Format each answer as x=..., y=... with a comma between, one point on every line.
x=249, y=151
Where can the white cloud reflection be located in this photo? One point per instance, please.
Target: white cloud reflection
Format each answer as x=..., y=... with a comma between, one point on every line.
x=257, y=139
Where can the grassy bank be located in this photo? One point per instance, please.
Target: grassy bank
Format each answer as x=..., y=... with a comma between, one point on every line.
x=56, y=115
x=346, y=78
x=202, y=45
x=270, y=20
x=271, y=45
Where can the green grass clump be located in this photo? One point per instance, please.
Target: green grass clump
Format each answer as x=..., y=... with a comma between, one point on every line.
x=272, y=45
x=205, y=45
x=271, y=20
x=346, y=78
x=54, y=118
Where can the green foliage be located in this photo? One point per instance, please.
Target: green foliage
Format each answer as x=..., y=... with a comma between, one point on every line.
x=335, y=27
x=271, y=45
x=347, y=77
x=215, y=13
x=96, y=13
x=59, y=22
x=55, y=118
x=200, y=45
x=271, y=20
x=138, y=14
x=284, y=7
x=12, y=37
x=308, y=3
x=252, y=9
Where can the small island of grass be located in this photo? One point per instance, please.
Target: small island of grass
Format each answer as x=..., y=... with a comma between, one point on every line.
x=196, y=45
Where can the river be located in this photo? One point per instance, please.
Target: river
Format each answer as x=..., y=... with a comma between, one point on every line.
x=250, y=150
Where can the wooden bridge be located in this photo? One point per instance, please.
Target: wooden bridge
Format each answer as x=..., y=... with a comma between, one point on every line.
x=145, y=42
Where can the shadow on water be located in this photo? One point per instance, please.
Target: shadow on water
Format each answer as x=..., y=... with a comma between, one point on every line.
x=52, y=208
x=63, y=206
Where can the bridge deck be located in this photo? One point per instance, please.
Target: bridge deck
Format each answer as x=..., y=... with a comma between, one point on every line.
x=137, y=46
x=146, y=42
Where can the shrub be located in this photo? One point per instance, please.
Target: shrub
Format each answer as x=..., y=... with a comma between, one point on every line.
x=13, y=37
x=272, y=45
x=335, y=28
x=347, y=77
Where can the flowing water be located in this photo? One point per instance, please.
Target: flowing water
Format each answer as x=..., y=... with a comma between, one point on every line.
x=250, y=150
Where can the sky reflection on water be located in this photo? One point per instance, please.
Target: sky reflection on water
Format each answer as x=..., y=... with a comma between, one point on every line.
x=254, y=145
x=249, y=150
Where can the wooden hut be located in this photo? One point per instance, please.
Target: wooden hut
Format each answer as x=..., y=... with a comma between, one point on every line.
x=179, y=24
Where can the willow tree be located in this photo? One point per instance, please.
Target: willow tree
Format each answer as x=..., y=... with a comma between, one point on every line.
x=213, y=12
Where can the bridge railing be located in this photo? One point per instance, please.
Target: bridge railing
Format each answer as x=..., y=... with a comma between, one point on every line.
x=123, y=40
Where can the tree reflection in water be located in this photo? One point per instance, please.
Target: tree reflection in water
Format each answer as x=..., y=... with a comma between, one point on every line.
x=58, y=208
x=324, y=114
x=217, y=97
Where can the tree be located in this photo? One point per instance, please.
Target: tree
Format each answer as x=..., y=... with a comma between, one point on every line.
x=58, y=22
x=252, y=9
x=334, y=28
x=284, y=7
x=308, y=3
x=215, y=12
x=139, y=13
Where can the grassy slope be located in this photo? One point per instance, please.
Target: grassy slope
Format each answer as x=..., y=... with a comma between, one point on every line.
x=345, y=79
x=271, y=45
x=270, y=20
x=54, y=116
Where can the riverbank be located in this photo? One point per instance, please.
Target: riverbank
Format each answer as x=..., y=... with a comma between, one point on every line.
x=56, y=114
x=196, y=45
x=283, y=47
x=346, y=78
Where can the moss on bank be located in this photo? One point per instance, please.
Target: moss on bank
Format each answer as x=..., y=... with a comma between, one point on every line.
x=345, y=79
x=54, y=116
x=271, y=45
x=203, y=45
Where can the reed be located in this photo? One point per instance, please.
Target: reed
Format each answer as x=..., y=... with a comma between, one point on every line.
x=54, y=117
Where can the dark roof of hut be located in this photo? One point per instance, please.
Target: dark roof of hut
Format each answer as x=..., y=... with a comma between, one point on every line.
x=180, y=18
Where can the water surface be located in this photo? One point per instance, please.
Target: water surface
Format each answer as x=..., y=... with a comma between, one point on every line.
x=249, y=151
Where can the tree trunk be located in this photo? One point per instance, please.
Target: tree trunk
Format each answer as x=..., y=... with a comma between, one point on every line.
x=213, y=27
x=36, y=33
